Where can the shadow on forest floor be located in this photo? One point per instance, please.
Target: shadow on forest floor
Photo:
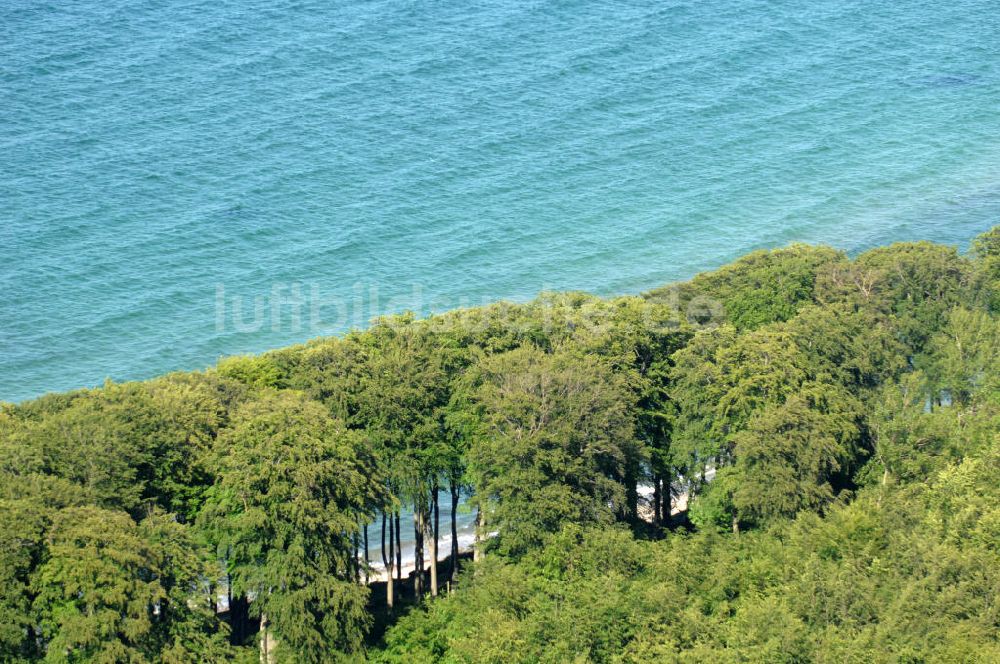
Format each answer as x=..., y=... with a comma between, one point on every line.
x=383, y=618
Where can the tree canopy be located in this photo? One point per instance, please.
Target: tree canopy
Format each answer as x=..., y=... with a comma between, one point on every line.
x=794, y=457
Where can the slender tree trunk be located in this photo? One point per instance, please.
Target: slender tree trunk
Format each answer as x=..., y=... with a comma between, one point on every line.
x=657, y=501
x=266, y=642
x=631, y=496
x=264, y=655
x=418, y=548
x=885, y=480
x=672, y=501
x=736, y=525
x=454, y=530
x=477, y=548
x=356, y=567
x=390, y=563
x=230, y=608
x=399, y=550
x=33, y=641
x=434, y=540
x=365, y=534
x=385, y=562
x=667, y=499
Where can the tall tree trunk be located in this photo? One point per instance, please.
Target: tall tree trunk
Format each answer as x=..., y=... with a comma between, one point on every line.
x=399, y=549
x=418, y=548
x=657, y=501
x=385, y=561
x=390, y=562
x=631, y=496
x=434, y=540
x=365, y=532
x=454, y=529
x=477, y=548
x=356, y=568
x=266, y=642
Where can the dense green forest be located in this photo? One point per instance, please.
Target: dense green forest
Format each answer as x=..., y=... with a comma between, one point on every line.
x=830, y=425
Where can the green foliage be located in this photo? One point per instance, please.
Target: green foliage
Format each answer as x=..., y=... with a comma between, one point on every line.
x=909, y=575
x=857, y=348
x=912, y=434
x=912, y=284
x=964, y=357
x=908, y=441
x=98, y=422
x=711, y=505
x=986, y=249
x=23, y=524
x=404, y=389
x=252, y=370
x=549, y=449
x=112, y=590
x=760, y=288
x=785, y=458
x=561, y=603
x=756, y=401
x=145, y=442
x=293, y=486
x=833, y=422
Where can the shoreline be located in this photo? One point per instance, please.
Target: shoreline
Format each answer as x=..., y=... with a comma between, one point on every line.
x=377, y=573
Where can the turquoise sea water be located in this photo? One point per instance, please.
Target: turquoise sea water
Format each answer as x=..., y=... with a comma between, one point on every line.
x=159, y=159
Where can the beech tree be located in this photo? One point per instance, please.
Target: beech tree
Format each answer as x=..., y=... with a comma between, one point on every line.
x=787, y=455
x=759, y=395
x=24, y=522
x=912, y=284
x=110, y=589
x=986, y=250
x=696, y=387
x=114, y=468
x=293, y=486
x=404, y=398
x=964, y=357
x=636, y=338
x=720, y=380
x=147, y=443
x=551, y=447
x=342, y=374
x=763, y=287
x=907, y=440
x=857, y=348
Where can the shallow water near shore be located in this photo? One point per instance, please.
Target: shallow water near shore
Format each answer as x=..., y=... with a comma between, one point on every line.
x=164, y=164
x=465, y=518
